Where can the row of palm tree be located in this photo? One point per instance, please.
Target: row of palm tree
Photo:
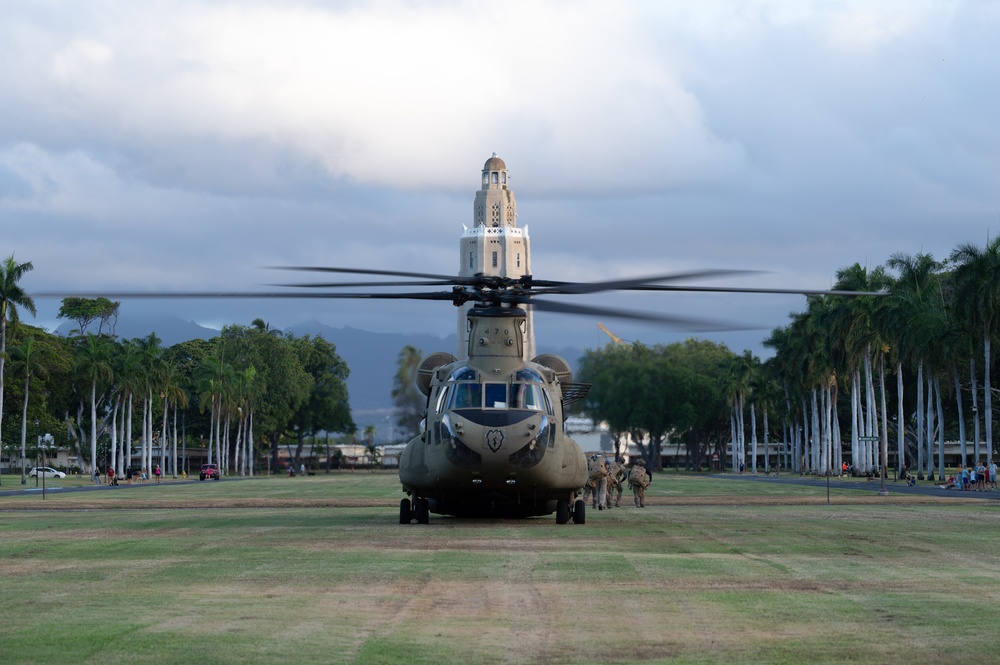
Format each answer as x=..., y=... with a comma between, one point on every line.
x=931, y=329
x=100, y=384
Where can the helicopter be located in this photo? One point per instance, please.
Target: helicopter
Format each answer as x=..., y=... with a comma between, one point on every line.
x=492, y=442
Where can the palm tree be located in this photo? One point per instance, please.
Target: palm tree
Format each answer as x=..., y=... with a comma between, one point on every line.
x=12, y=296
x=977, y=281
x=25, y=360
x=94, y=364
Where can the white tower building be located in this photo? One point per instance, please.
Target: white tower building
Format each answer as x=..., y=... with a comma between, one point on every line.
x=494, y=245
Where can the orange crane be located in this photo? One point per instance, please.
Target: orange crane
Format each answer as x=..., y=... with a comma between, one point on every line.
x=610, y=334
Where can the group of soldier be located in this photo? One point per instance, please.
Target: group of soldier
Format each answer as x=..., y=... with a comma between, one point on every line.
x=607, y=480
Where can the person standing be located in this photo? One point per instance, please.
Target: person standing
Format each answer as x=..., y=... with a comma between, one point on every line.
x=597, y=483
x=616, y=482
x=992, y=468
x=156, y=473
x=638, y=481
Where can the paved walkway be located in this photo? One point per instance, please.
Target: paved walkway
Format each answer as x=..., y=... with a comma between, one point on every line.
x=922, y=488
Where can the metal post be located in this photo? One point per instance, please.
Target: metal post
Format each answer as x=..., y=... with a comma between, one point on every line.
x=36, y=452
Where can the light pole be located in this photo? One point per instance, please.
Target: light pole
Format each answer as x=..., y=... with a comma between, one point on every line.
x=43, y=442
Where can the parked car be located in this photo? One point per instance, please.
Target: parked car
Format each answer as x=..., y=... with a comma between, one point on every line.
x=209, y=471
x=45, y=472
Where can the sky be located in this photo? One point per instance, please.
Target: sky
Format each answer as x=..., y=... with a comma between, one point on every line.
x=188, y=145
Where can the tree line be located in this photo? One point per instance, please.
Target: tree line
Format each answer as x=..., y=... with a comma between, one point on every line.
x=239, y=395
x=912, y=363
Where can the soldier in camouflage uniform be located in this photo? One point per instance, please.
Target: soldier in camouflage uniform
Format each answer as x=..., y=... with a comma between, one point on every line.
x=616, y=482
x=638, y=481
x=597, y=483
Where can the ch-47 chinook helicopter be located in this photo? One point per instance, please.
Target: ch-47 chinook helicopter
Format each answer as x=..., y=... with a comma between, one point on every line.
x=493, y=442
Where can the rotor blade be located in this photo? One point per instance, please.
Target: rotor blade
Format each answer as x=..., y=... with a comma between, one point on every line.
x=678, y=322
x=341, y=285
x=740, y=289
x=635, y=283
x=367, y=271
x=248, y=295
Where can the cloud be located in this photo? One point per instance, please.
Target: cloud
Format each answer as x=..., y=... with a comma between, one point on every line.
x=379, y=94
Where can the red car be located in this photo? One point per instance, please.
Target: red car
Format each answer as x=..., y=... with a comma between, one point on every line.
x=209, y=471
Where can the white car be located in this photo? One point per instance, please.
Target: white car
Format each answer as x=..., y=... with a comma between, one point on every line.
x=45, y=472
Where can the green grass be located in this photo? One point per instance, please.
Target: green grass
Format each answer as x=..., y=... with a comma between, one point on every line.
x=316, y=570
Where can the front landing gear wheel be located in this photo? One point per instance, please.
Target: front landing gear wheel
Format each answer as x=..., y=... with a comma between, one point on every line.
x=562, y=511
x=579, y=512
x=405, y=513
x=422, y=511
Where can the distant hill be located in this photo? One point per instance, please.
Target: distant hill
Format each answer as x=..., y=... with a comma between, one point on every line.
x=372, y=358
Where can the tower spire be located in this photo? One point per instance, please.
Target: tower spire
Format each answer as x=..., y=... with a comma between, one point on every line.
x=494, y=245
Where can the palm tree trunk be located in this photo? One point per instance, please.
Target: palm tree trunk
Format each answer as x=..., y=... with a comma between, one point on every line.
x=940, y=419
x=753, y=437
x=961, y=412
x=173, y=448
x=767, y=454
x=855, y=417
x=884, y=439
x=732, y=437
x=114, y=436
x=127, y=441
x=930, y=425
x=250, y=455
x=920, y=419
x=975, y=405
x=93, y=425
x=987, y=394
x=900, y=419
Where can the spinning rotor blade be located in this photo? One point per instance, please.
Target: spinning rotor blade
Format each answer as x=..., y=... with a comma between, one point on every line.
x=249, y=295
x=637, y=283
x=366, y=271
x=678, y=322
x=747, y=289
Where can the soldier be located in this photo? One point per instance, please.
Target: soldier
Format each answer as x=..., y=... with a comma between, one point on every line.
x=638, y=481
x=616, y=482
x=597, y=483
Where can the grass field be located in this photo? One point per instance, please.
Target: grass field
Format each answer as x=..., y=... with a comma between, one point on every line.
x=316, y=570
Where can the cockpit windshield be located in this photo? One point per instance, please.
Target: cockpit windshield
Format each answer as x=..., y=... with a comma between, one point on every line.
x=464, y=391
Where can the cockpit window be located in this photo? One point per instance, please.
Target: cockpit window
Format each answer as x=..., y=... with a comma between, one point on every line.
x=496, y=395
x=464, y=374
x=466, y=396
x=525, y=374
x=526, y=396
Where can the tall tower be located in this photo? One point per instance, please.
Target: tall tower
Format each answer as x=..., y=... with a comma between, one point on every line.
x=494, y=245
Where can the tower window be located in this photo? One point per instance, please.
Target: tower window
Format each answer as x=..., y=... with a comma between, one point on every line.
x=504, y=177
x=494, y=177
x=519, y=259
x=495, y=259
x=472, y=260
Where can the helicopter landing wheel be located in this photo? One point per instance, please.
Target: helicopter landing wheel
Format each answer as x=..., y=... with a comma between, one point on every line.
x=562, y=511
x=405, y=513
x=422, y=511
x=579, y=512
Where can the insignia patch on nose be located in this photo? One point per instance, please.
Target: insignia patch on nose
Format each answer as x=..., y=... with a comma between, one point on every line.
x=494, y=439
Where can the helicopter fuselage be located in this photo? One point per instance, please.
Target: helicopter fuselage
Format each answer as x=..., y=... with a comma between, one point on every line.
x=493, y=442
